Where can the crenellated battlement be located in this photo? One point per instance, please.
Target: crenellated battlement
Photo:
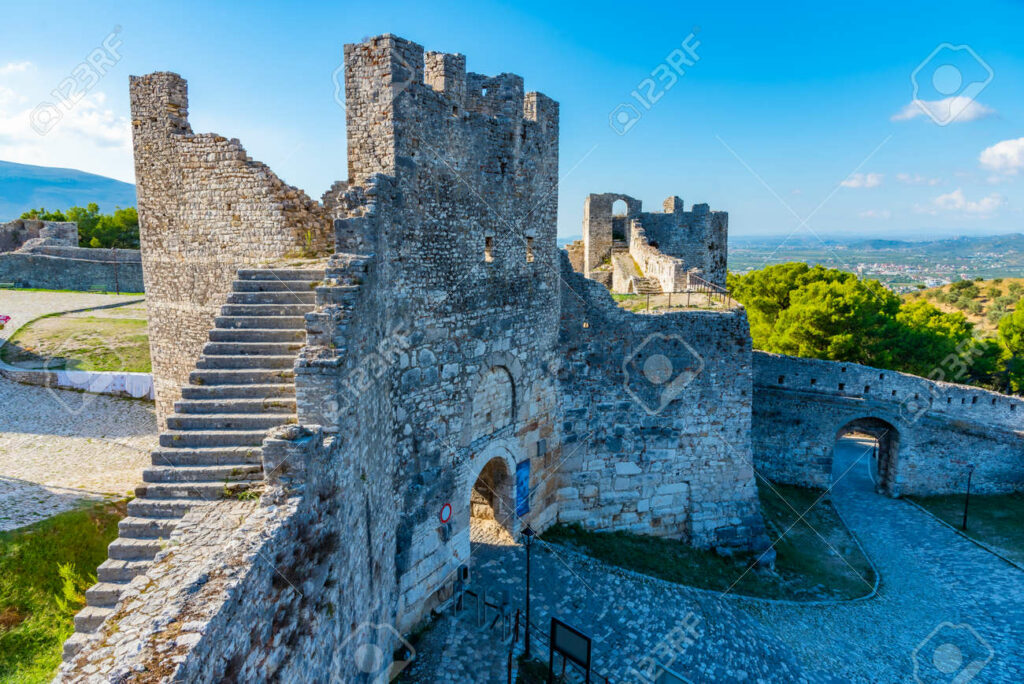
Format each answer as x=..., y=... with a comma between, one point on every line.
x=402, y=100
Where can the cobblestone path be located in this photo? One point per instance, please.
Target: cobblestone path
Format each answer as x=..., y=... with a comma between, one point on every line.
x=930, y=576
x=58, y=447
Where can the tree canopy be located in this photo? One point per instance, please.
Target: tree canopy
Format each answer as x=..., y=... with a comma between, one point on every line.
x=826, y=313
x=120, y=229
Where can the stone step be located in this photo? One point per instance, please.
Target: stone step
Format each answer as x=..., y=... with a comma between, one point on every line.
x=276, y=390
x=303, y=274
x=113, y=570
x=283, y=310
x=225, y=421
x=291, y=348
x=91, y=617
x=202, y=491
x=274, y=285
x=180, y=439
x=161, y=508
x=124, y=548
x=210, y=456
x=146, y=528
x=238, y=472
x=246, y=361
x=74, y=644
x=104, y=594
x=304, y=295
x=241, y=405
x=242, y=376
x=272, y=322
x=258, y=335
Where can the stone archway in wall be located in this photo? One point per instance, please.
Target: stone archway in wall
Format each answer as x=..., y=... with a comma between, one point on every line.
x=490, y=497
x=883, y=439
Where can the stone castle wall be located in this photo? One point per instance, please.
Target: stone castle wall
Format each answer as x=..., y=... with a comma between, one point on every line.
x=451, y=348
x=205, y=210
x=671, y=455
x=801, y=406
x=463, y=280
x=73, y=268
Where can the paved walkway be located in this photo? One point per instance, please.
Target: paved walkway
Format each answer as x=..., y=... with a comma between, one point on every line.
x=58, y=447
x=930, y=576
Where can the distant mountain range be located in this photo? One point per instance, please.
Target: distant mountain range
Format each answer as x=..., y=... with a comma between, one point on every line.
x=24, y=187
x=958, y=246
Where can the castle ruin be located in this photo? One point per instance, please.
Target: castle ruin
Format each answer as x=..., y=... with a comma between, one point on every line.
x=631, y=251
x=344, y=385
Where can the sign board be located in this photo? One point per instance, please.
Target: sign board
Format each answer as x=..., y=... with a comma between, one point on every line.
x=572, y=644
x=522, y=488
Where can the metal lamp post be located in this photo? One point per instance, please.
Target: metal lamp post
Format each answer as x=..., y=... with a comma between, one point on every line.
x=528, y=536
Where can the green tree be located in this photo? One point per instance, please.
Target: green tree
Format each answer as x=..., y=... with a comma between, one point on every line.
x=120, y=229
x=1011, y=337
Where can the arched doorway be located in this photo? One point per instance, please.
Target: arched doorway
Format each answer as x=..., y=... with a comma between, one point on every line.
x=871, y=444
x=492, y=497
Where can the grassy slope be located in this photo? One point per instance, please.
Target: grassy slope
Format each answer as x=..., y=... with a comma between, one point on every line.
x=806, y=568
x=995, y=520
x=35, y=618
x=91, y=343
x=980, y=321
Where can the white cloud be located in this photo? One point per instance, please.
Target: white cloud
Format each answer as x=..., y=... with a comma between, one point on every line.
x=90, y=136
x=957, y=201
x=863, y=180
x=917, y=179
x=15, y=68
x=951, y=109
x=1004, y=157
x=875, y=214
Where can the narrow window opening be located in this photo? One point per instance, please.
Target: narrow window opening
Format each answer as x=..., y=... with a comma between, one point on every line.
x=782, y=379
x=489, y=249
x=814, y=381
x=974, y=400
x=529, y=249
x=867, y=388
x=842, y=386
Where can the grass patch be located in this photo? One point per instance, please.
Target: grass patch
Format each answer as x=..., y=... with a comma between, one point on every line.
x=806, y=567
x=43, y=289
x=45, y=569
x=80, y=342
x=996, y=520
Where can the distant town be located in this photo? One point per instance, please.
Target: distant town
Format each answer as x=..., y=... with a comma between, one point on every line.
x=903, y=266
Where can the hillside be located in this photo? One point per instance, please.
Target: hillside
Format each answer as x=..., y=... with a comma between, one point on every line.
x=984, y=302
x=23, y=187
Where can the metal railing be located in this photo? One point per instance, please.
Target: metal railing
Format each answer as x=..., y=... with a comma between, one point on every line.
x=698, y=285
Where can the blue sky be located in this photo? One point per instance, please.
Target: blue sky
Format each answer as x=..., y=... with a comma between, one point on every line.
x=785, y=103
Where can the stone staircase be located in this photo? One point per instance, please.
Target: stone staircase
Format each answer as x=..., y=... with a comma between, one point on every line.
x=644, y=285
x=242, y=387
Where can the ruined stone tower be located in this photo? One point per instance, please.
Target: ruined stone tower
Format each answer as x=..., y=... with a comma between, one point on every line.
x=453, y=366
x=640, y=251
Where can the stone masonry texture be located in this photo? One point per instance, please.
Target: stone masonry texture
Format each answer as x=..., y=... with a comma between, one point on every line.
x=205, y=210
x=454, y=353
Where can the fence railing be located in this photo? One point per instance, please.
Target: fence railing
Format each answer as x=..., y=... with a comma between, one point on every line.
x=708, y=289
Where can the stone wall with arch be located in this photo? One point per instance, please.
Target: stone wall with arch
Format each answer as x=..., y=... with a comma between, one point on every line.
x=802, y=406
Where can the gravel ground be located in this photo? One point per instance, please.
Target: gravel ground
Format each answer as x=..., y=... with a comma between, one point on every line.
x=59, y=447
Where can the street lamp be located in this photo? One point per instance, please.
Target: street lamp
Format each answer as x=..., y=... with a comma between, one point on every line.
x=528, y=536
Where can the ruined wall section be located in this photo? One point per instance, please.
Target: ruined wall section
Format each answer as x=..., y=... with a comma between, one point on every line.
x=697, y=238
x=205, y=210
x=657, y=421
x=282, y=590
x=802, y=405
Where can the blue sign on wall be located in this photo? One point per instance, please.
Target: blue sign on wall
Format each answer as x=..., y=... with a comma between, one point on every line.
x=522, y=488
